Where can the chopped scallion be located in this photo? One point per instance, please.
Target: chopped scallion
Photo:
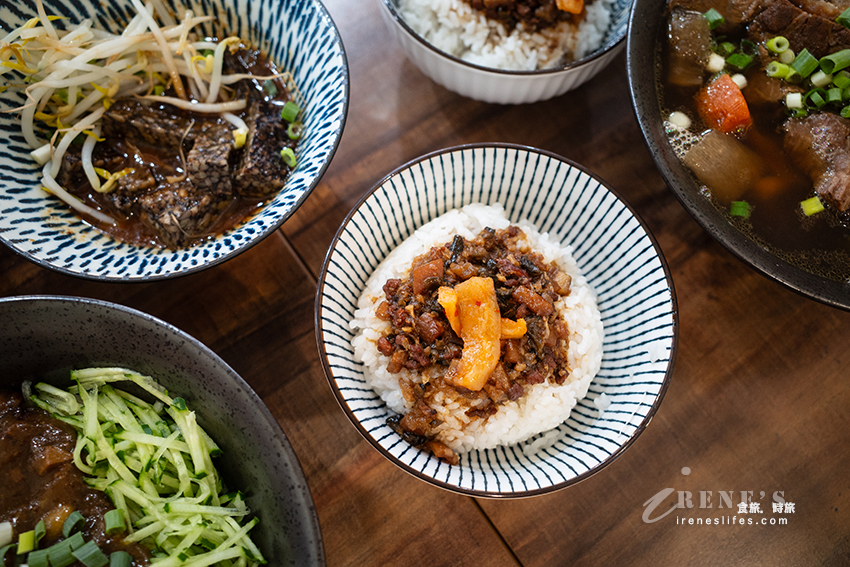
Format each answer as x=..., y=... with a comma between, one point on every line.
x=805, y=63
x=120, y=559
x=60, y=554
x=114, y=520
x=90, y=555
x=835, y=61
x=740, y=209
x=787, y=56
x=777, y=44
x=715, y=64
x=841, y=79
x=739, y=61
x=820, y=79
x=811, y=206
x=26, y=542
x=794, y=100
x=294, y=130
x=777, y=70
x=38, y=558
x=73, y=523
x=725, y=49
x=815, y=99
x=40, y=530
x=715, y=19
x=845, y=112
x=179, y=403
x=288, y=156
x=833, y=96
x=290, y=111
x=4, y=551
x=844, y=18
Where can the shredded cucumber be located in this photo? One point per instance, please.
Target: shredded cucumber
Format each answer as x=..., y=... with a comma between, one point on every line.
x=155, y=462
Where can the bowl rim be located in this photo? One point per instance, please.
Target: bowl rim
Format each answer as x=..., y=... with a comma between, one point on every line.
x=323, y=354
x=307, y=514
x=595, y=54
x=335, y=38
x=639, y=66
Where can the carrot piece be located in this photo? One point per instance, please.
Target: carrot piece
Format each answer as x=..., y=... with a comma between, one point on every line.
x=722, y=106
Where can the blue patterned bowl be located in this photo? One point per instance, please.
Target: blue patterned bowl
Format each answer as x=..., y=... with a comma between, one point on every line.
x=298, y=35
x=613, y=249
x=500, y=86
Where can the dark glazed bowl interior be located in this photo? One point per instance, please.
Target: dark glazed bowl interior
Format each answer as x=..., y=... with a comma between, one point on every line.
x=43, y=338
x=646, y=22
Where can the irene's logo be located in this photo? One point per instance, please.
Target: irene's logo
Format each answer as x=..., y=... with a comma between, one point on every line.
x=745, y=502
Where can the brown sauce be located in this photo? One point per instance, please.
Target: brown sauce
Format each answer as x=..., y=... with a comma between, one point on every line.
x=41, y=483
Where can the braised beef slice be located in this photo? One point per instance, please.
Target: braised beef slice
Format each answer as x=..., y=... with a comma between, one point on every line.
x=207, y=163
x=179, y=212
x=820, y=145
x=261, y=171
x=141, y=123
x=821, y=36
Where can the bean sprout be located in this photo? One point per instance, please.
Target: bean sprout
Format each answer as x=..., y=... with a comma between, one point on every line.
x=72, y=76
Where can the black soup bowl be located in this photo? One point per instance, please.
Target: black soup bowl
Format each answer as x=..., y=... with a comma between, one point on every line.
x=42, y=338
x=647, y=24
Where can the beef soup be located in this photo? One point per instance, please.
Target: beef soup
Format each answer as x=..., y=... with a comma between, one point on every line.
x=776, y=170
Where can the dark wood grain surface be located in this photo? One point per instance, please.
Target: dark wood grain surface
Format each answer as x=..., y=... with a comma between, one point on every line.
x=758, y=401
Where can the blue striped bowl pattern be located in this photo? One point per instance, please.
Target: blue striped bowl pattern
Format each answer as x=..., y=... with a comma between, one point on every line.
x=612, y=247
x=298, y=35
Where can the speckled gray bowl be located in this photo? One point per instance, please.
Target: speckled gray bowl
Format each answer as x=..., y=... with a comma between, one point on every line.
x=43, y=338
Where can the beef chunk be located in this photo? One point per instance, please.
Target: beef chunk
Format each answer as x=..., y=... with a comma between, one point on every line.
x=179, y=212
x=207, y=163
x=820, y=145
x=821, y=36
x=261, y=172
x=140, y=123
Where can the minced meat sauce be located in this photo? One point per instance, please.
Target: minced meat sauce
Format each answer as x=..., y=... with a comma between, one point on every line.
x=40, y=481
x=422, y=340
x=533, y=14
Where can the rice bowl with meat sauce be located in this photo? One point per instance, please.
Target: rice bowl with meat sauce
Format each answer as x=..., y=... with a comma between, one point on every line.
x=515, y=403
x=486, y=38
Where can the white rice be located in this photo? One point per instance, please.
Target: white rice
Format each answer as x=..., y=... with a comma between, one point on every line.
x=544, y=406
x=458, y=29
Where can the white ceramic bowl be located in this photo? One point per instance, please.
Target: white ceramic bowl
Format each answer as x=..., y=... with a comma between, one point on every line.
x=299, y=35
x=613, y=249
x=499, y=86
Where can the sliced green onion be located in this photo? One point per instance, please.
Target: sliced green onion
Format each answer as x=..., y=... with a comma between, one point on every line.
x=294, y=130
x=714, y=18
x=820, y=79
x=38, y=558
x=61, y=554
x=815, y=99
x=794, y=100
x=835, y=61
x=40, y=530
x=777, y=44
x=270, y=88
x=725, y=48
x=805, y=63
x=90, y=555
x=749, y=48
x=290, y=111
x=26, y=542
x=793, y=76
x=715, y=64
x=845, y=112
x=740, y=209
x=841, y=79
x=7, y=534
x=777, y=70
x=739, y=61
x=288, y=156
x=179, y=403
x=811, y=206
x=833, y=96
x=114, y=520
x=73, y=523
x=844, y=18
x=4, y=551
x=787, y=56
x=120, y=559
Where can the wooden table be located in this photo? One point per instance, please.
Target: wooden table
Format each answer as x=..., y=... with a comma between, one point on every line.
x=758, y=400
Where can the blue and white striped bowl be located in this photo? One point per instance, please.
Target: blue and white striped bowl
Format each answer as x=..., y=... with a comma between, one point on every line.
x=298, y=35
x=614, y=250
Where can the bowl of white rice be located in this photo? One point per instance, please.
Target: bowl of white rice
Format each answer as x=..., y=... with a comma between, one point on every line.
x=477, y=57
x=619, y=313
